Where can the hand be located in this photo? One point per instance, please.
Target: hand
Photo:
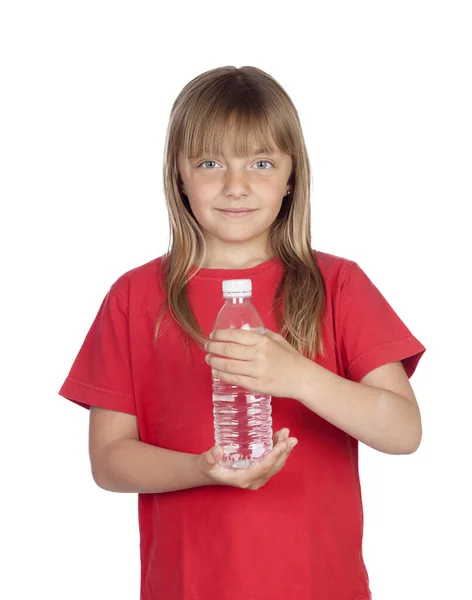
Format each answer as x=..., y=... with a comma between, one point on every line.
x=261, y=362
x=257, y=474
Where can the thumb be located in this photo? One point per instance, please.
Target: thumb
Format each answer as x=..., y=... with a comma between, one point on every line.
x=213, y=456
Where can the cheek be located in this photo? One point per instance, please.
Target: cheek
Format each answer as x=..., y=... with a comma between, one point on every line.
x=272, y=191
x=200, y=205
x=202, y=192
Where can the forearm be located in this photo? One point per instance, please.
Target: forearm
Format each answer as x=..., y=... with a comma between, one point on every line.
x=129, y=465
x=379, y=418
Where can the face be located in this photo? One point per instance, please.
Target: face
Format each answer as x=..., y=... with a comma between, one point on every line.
x=235, y=199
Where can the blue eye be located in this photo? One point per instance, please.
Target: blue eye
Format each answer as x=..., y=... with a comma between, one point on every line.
x=205, y=162
x=264, y=161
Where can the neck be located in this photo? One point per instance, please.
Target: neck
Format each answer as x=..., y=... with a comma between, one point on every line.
x=235, y=257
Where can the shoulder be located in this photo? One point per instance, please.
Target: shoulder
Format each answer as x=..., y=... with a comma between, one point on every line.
x=140, y=281
x=334, y=269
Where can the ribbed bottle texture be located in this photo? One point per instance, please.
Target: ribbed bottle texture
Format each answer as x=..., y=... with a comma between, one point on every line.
x=242, y=418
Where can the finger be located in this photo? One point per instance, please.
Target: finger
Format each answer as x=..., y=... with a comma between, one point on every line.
x=281, y=446
x=282, y=455
x=245, y=337
x=259, y=472
x=275, y=459
x=273, y=455
x=230, y=350
x=290, y=444
x=280, y=435
x=243, y=381
x=231, y=366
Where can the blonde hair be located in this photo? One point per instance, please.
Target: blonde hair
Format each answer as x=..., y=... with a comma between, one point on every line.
x=244, y=106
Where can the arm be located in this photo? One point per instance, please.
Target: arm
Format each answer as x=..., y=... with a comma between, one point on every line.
x=381, y=411
x=122, y=463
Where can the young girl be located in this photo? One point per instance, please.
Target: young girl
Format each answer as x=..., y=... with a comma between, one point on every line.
x=336, y=359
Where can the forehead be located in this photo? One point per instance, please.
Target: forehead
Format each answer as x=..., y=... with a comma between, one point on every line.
x=228, y=151
x=239, y=139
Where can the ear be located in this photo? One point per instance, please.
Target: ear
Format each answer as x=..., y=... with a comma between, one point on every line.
x=180, y=183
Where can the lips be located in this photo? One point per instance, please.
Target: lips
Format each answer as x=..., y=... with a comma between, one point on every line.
x=236, y=211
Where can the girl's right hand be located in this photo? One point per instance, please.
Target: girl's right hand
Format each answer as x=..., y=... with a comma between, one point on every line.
x=257, y=474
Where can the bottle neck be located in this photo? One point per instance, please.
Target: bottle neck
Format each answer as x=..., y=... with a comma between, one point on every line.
x=238, y=300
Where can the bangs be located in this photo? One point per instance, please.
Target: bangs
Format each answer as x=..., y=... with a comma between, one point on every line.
x=239, y=134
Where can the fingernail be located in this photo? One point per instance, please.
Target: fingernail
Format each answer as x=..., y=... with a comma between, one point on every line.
x=293, y=444
x=211, y=335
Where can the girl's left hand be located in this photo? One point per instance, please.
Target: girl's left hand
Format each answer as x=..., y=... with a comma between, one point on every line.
x=261, y=362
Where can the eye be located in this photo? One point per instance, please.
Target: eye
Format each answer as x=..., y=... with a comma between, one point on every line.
x=263, y=161
x=206, y=162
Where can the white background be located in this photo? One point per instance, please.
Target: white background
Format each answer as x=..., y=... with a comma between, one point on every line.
x=383, y=91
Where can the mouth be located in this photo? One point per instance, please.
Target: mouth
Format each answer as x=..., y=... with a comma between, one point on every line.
x=237, y=212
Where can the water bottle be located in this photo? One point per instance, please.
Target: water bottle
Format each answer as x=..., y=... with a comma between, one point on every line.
x=242, y=418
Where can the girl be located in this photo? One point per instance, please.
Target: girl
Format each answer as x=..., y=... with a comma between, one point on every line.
x=336, y=359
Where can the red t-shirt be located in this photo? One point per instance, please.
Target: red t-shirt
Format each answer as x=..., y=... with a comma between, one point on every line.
x=300, y=535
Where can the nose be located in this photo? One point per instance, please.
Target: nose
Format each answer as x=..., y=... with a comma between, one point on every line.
x=236, y=183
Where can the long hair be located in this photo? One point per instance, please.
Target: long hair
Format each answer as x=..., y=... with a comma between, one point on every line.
x=244, y=106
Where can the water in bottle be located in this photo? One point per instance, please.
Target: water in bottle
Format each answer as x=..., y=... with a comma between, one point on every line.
x=242, y=418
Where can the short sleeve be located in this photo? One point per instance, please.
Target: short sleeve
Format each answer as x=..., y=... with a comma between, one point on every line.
x=371, y=334
x=101, y=373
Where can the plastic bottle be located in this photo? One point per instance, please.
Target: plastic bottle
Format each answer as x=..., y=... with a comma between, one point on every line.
x=242, y=418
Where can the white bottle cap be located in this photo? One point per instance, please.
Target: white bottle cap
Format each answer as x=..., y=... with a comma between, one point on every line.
x=241, y=288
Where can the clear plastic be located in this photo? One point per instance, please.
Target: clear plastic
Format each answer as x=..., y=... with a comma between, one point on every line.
x=242, y=418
